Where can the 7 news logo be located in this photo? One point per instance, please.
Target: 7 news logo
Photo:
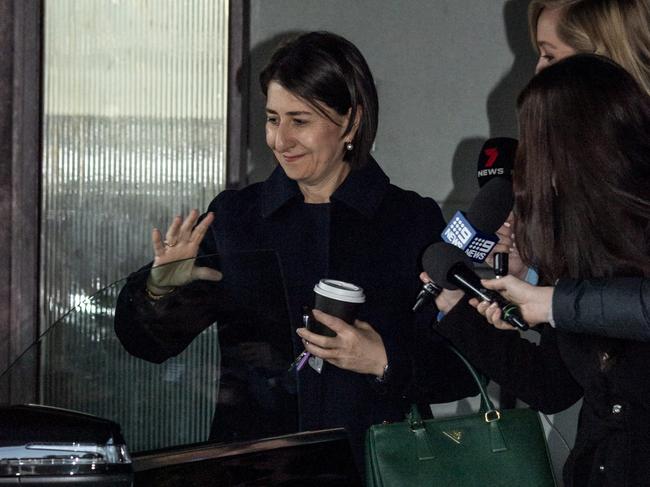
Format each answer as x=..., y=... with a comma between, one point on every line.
x=492, y=154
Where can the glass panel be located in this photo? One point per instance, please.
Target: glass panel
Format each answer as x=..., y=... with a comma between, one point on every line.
x=134, y=132
x=249, y=389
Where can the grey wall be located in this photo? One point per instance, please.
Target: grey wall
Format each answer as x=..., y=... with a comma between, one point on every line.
x=447, y=72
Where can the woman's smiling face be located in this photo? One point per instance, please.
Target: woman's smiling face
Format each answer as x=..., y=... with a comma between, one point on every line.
x=308, y=145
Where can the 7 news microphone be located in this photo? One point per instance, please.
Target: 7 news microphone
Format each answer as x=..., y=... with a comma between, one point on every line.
x=496, y=159
x=474, y=232
x=450, y=268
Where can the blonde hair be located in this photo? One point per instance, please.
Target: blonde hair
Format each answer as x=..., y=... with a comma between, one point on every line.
x=617, y=29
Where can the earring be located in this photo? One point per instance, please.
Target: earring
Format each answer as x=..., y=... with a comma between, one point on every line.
x=349, y=146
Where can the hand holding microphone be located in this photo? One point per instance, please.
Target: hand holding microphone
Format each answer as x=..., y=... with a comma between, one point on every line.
x=450, y=268
x=534, y=302
x=473, y=232
x=486, y=227
x=445, y=299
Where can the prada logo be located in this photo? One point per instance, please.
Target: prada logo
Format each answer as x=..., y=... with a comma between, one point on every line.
x=455, y=435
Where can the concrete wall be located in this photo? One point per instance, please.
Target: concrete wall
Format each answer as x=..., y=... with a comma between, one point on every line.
x=448, y=74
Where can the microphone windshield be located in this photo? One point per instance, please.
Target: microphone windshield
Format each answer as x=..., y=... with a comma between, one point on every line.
x=491, y=205
x=439, y=258
x=496, y=159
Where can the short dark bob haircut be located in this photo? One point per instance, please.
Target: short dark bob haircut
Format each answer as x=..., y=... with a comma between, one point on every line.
x=582, y=171
x=325, y=69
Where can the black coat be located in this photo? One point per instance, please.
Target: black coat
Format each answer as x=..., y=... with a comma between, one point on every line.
x=612, y=444
x=372, y=233
x=615, y=307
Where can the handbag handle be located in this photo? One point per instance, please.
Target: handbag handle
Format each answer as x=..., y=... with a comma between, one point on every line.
x=491, y=414
x=487, y=407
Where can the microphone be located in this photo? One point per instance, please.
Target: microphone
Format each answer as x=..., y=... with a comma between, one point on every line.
x=496, y=159
x=429, y=292
x=475, y=232
x=449, y=267
x=500, y=264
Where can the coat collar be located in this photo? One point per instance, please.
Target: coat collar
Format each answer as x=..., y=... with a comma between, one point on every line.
x=362, y=190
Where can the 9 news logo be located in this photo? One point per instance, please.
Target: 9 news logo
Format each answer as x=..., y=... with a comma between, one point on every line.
x=479, y=249
x=460, y=233
x=457, y=233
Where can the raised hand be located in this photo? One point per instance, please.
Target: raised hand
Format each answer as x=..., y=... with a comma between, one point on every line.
x=174, y=257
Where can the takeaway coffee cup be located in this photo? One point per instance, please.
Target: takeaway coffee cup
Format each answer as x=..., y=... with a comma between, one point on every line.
x=337, y=298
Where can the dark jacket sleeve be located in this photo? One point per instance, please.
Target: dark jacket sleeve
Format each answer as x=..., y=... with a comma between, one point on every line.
x=160, y=329
x=437, y=375
x=617, y=308
x=534, y=373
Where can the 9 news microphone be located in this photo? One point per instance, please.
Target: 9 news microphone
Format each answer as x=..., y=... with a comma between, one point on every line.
x=449, y=267
x=496, y=159
x=474, y=232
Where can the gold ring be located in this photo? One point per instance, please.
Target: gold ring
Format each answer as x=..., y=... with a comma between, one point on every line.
x=169, y=244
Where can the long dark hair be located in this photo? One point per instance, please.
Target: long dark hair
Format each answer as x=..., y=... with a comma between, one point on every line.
x=582, y=174
x=325, y=69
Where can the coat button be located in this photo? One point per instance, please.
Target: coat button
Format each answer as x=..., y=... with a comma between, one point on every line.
x=617, y=408
x=601, y=468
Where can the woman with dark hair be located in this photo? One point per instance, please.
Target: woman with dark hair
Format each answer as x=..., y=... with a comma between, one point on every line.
x=617, y=29
x=581, y=194
x=326, y=211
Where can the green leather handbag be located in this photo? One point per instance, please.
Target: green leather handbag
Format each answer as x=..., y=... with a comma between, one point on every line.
x=491, y=448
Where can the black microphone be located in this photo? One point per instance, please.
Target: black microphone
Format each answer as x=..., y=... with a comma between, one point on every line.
x=491, y=205
x=429, y=292
x=496, y=159
x=500, y=264
x=474, y=232
x=449, y=267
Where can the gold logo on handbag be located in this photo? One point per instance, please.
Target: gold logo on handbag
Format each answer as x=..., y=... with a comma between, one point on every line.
x=455, y=435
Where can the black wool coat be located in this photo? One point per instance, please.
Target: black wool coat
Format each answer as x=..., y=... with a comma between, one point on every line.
x=372, y=234
x=612, y=444
x=615, y=307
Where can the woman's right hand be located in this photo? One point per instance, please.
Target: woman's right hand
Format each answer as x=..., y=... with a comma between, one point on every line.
x=174, y=257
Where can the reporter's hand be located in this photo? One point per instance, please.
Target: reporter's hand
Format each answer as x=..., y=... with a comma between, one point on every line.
x=174, y=257
x=507, y=244
x=492, y=314
x=358, y=348
x=447, y=299
x=534, y=301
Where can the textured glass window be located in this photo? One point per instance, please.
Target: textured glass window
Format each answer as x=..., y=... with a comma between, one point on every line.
x=134, y=132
